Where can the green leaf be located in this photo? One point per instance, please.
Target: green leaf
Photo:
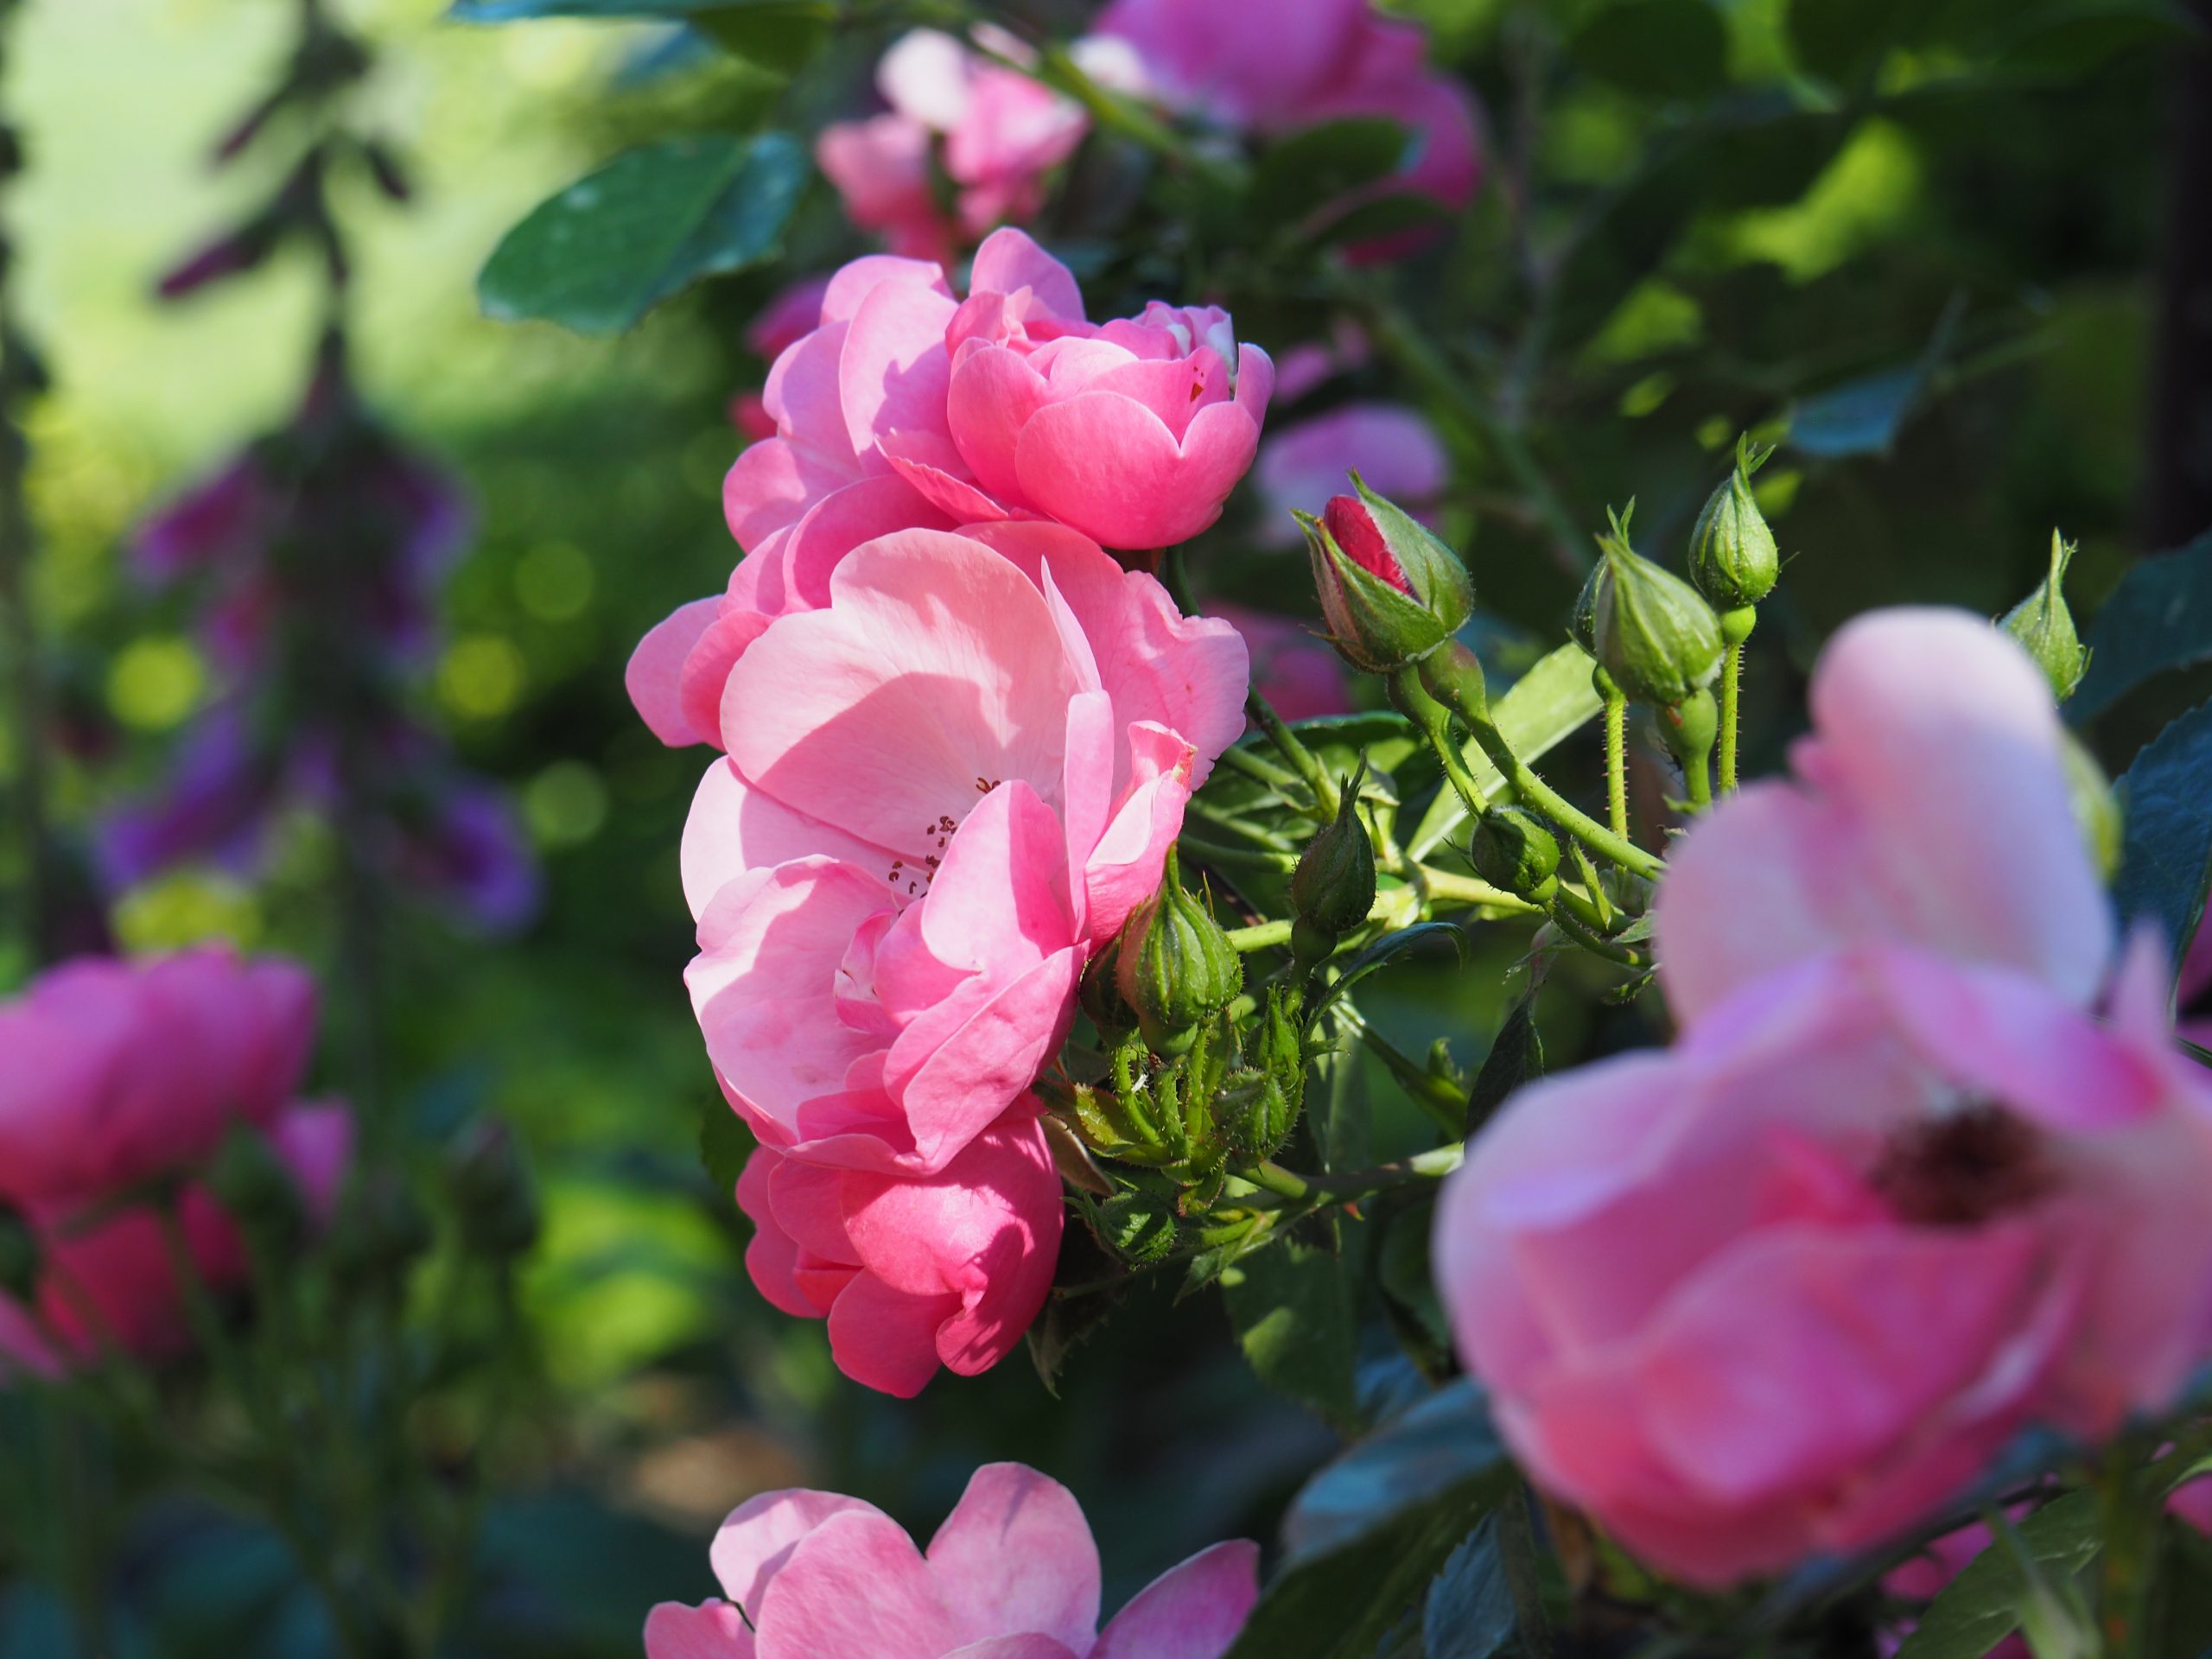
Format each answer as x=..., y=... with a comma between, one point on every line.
x=724, y=1143
x=610, y=247
x=1384, y=216
x=1844, y=41
x=1863, y=417
x=1515, y=1058
x=2166, y=860
x=1382, y=951
x=2158, y=618
x=1067, y=1322
x=1469, y=1614
x=1292, y=1310
x=1370, y=1531
x=2182, y=1622
x=1665, y=48
x=2077, y=39
x=1310, y=168
x=779, y=34
x=1981, y=1606
x=1544, y=708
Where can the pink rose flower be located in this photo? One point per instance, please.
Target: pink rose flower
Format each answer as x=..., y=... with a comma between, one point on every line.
x=911, y=1272
x=1292, y=667
x=1013, y=1573
x=114, y=1074
x=1317, y=61
x=1929, y=807
x=1392, y=447
x=942, y=789
x=1009, y=404
x=1003, y=133
x=1789, y=1287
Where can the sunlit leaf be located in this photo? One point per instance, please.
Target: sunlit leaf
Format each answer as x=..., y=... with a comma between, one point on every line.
x=1293, y=1313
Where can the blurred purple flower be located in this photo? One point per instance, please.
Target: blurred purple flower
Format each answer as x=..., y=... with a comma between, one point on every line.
x=1392, y=447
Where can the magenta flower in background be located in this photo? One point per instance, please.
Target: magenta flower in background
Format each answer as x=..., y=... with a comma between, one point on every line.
x=113, y=1074
x=1294, y=668
x=1314, y=61
x=1392, y=447
x=1013, y=1573
x=943, y=790
x=911, y=1272
x=1701, y=1283
x=1001, y=133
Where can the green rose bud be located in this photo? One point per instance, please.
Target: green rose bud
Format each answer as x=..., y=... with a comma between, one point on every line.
x=494, y=1195
x=1139, y=1227
x=1333, y=887
x=1176, y=968
x=2097, y=808
x=1098, y=994
x=1656, y=636
x=379, y=1230
x=1514, y=850
x=1733, y=559
x=257, y=1191
x=2044, y=626
x=1392, y=592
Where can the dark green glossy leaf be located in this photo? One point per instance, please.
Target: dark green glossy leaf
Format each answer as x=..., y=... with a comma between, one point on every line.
x=1544, y=708
x=1370, y=1531
x=2166, y=849
x=1981, y=1606
x=1293, y=1313
x=1863, y=417
x=1382, y=950
x=1385, y=217
x=1469, y=1614
x=2159, y=618
x=1309, y=168
x=1666, y=49
x=606, y=250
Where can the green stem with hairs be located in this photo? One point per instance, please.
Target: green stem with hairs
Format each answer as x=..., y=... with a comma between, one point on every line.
x=1730, y=694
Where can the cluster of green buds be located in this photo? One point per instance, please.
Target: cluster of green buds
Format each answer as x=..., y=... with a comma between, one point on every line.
x=1174, y=969
x=1391, y=592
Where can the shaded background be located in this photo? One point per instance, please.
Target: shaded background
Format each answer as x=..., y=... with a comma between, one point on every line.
x=1967, y=297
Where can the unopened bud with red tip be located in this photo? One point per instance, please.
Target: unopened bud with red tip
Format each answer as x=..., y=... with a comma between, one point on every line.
x=2044, y=626
x=1733, y=558
x=1654, y=635
x=1390, y=591
x=1176, y=968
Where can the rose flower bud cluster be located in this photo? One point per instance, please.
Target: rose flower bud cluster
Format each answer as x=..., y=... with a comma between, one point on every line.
x=117, y=1078
x=958, y=738
x=1923, y=1169
x=1013, y=1573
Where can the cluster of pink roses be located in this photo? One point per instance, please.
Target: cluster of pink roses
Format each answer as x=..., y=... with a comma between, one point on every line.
x=115, y=1078
x=1923, y=1167
x=1013, y=1573
x=957, y=740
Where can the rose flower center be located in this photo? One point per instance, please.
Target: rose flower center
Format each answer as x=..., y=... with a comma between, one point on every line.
x=1963, y=1168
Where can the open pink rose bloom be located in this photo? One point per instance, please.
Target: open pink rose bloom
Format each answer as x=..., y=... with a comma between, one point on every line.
x=1013, y=1573
x=1915, y=1097
x=114, y=1074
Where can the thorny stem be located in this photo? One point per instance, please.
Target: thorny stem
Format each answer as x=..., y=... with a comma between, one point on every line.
x=1301, y=759
x=1731, y=693
x=1348, y=1186
x=1617, y=762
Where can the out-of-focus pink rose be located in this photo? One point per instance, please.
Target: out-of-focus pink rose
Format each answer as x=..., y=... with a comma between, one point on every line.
x=1790, y=1285
x=793, y=314
x=1013, y=1573
x=868, y=442
x=1292, y=667
x=113, y=1075
x=1316, y=60
x=1929, y=807
x=911, y=1272
x=1392, y=447
x=1002, y=131
x=942, y=790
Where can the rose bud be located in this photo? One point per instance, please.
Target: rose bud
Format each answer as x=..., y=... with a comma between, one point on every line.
x=1391, y=591
x=257, y=1189
x=1333, y=887
x=1657, y=639
x=1514, y=851
x=1733, y=559
x=494, y=1195
x=1177, y=967
x=2044, y=626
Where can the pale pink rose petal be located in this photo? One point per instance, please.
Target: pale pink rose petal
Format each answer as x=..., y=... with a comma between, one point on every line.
x=1193, y=1611
x=769, y=486
x=734, y=828
x=880, y=167
x=892, y=371
x=926, y=76
x=1000, y=900
x=834, y=526
x=884, y=1339
x=757, y=1540
x=711, y=1631
x=992, y=395
x=1010, y=260
x=706, y=669
x=654, y=676
x=1014, y=1647
x=935, y=674
x=1128, y=861
x=855, y=1585
x=771, y=1256
x=1016, y=1555
x=954, y=1069
x=856, y=279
